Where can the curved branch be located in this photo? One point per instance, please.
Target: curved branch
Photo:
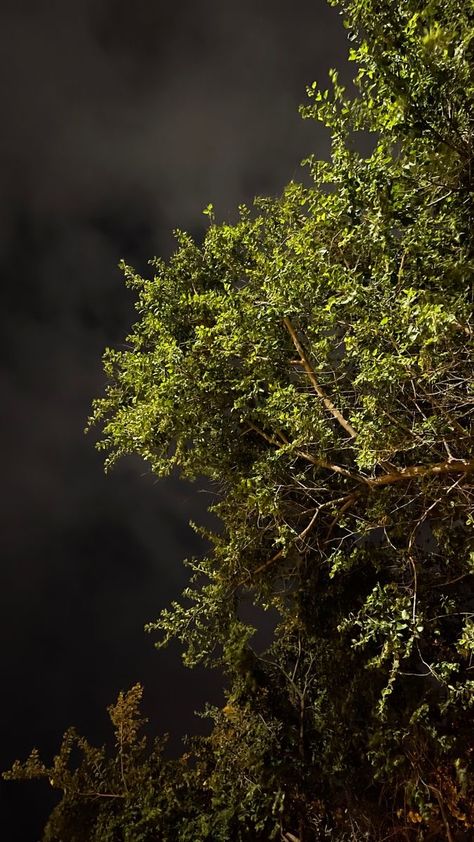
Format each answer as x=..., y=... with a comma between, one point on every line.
x=450, y=466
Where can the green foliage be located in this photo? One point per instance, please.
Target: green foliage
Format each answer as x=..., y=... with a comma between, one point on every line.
x=314, y=361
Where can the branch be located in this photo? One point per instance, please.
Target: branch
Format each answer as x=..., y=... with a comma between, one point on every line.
x=264, y=566
x=315, y=460
x=453, y=581
x=347, y=501
x=450, y=466
x=330, y=466
x=317, y=388
x=263, y=434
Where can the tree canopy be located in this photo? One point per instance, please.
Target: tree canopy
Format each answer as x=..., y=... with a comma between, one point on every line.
x=314, y=362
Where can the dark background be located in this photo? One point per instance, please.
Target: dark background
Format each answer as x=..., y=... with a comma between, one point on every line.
x=120, y=121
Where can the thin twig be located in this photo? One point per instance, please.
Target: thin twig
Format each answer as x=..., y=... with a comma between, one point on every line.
x=315, y=460
x=312, y=377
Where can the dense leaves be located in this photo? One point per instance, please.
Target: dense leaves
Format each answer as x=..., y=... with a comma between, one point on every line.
x=314, y=361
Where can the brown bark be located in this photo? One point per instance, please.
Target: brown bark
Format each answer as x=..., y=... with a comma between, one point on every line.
x=449, y=466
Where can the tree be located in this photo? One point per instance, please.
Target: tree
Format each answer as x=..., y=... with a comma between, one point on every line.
x=314, y=361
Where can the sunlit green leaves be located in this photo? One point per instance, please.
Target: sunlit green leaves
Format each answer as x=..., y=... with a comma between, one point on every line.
x=314, y=362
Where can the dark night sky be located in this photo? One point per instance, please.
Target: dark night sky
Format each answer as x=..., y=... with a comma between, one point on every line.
x=120, y=121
